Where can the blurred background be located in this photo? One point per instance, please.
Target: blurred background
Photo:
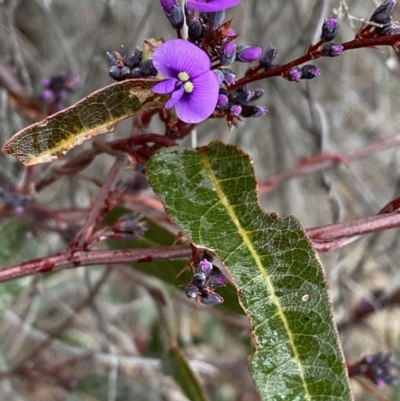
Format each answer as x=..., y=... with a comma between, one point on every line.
x=109, y=346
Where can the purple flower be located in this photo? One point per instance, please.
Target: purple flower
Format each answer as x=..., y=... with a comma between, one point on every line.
x=211, y=6
x=192, y=85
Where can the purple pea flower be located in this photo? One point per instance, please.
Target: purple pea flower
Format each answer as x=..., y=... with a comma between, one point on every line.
x=192, y=85
x=211, y=6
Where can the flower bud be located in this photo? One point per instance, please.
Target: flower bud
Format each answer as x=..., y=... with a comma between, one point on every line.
x=147, y=69
x=112, y=59
x=332, y=50
x=253, y=111
x=309, y=71
x=168, y=5
x=195, y=29
x=115, y=73
x=294, y=74
x=329, y=29
x=266, y=60
x=248, y=54
x=228, y=53
x=222, y=102
x=48, y=96
x=382, y=15
x=205, y=267
x=199, y=279
x=218, y=280
x=211, y=299
x=229, y=76
x=216, y=19
x=134, y=59
x=235, y=110
x=173, y=12
x=192, y=291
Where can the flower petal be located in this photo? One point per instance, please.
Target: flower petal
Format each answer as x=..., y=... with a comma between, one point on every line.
x=212, y=5
x=177, y=55
x=166, y=87
x=198, y=105
x=175, y=97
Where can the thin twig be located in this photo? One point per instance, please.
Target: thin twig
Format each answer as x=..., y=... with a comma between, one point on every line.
x=326, y=161
x=69, y=260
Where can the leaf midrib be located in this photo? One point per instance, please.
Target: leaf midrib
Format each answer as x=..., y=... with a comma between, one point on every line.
x=243, y=233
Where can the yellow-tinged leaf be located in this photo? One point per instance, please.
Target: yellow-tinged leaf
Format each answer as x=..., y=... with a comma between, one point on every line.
x=96, y=114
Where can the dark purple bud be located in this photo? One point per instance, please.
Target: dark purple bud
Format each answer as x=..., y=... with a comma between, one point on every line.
x=248, y=54
x=195, y=29
x=222, y=102
x=192, y=291
x=240, y=97
x=229, y=76
x=168, y=5
x=253, y=111
x=218, y=280
x=147, y=69
x=294, y=74
x=266, y=60
x=211, y=298
x=216, y=19
x=235, y=110
x=382, y=15
x=332, y=50
x=199, y=279
x=228, y=53
x=130, y=224
x=309, y=71
x=395, y=31
x=125, y=72
x=123, y=52
x=329, y=29
x=112, y=59
x=173, y=12
x=136, y=73
x=134, y=59
x=115, y=73
x=256, y=94
x=48, y=96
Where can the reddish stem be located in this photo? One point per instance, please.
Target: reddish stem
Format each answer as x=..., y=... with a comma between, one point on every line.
x=69, y=259
x=312, y=54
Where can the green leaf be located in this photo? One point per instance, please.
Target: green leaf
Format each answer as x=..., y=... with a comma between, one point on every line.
x=17, y=245
x=175, y=364
x=96, y=114
x=211, y=195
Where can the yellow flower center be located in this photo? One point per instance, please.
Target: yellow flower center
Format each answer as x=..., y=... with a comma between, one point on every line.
x=187, y=85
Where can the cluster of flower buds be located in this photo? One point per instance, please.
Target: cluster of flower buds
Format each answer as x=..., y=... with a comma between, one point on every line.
x=56, y=89
x=329, y=31
x=379, y=368
x=236, y=103
x=127, y=228
x=124, y=65
x=13, y=199
x=205, y=279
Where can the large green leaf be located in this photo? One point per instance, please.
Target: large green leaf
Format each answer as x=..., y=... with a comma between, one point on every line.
x=210, y=194
x=96, y=114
